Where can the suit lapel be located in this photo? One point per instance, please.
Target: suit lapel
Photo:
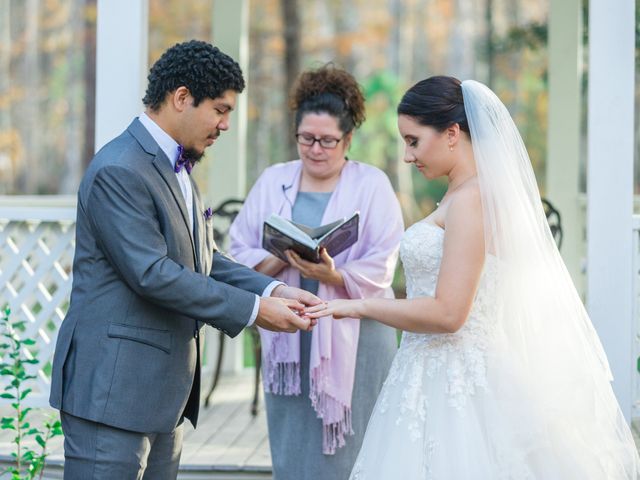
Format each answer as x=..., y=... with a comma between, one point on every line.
x=163, y=167
x=161, y=162
x=198, y=228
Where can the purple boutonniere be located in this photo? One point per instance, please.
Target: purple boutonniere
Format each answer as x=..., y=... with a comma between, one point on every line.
x=208, y=213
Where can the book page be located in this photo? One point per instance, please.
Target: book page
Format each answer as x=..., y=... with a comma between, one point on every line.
x=321, y=231
x=342, y=236
x=290, y=230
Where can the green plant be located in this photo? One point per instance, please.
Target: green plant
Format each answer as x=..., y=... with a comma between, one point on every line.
x=29, y=463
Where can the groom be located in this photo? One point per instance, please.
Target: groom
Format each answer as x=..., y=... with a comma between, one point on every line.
x=148, y=276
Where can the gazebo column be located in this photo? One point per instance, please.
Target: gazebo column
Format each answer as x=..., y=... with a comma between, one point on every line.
x=121, y=65
x=227, y=176
x=563, y=155
x=610, y=187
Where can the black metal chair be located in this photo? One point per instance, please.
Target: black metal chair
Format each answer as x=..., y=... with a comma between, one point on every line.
x=223, y=217
x=555, y=221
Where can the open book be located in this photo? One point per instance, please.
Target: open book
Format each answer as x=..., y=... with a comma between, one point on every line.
x=280, y=234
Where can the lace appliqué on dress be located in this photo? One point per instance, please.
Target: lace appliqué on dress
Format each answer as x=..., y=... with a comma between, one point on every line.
x=461, y=357
x=461, y=354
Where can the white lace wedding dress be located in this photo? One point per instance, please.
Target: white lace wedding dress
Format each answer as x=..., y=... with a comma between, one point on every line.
x=444, y=412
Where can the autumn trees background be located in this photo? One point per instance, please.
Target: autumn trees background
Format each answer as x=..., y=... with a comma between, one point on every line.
x=47, y=75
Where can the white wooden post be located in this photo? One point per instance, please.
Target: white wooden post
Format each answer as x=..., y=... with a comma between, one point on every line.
x=563, y=153
x=121, y=65
x=610, y=186
x=227, y=176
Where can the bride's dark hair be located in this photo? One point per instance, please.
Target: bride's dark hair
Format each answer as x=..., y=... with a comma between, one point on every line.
x=436, y=102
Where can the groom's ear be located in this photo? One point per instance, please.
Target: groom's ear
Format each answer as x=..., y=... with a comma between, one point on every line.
x=180, y=98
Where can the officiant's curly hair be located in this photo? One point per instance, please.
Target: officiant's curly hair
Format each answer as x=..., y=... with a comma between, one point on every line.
x=199, y=66
x=331, y=90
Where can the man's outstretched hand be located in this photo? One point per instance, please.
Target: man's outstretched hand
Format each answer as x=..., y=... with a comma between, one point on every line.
x=283, y=311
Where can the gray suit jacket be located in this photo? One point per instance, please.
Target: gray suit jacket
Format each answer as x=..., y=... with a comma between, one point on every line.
x=128, y=351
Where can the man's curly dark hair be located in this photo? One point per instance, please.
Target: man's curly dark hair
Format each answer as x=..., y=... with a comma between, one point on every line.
x=199, y=66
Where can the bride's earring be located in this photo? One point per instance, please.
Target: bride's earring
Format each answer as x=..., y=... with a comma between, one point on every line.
x=451, y=148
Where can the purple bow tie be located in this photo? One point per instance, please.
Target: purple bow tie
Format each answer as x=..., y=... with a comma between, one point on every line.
x=182, y=161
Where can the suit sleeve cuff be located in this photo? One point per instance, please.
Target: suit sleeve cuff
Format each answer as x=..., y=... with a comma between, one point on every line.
x=266, y=293
x=271, y=287
x=254, y=313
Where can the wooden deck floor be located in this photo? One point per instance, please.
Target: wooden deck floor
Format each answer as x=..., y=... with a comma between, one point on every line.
x=228, y=444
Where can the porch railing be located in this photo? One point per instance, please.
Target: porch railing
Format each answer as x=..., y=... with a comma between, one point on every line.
x=37, y=242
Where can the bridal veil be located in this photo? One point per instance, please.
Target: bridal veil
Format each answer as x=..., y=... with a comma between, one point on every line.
x=552, y=376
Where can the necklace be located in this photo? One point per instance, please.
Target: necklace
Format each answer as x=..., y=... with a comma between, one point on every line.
x=451, y=190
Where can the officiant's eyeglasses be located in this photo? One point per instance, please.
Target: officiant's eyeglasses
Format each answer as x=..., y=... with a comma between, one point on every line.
x=325, y=142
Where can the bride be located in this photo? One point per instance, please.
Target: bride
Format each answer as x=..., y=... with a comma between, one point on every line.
x=500, y=374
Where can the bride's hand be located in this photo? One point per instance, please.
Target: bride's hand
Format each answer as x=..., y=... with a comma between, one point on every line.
x=337, y=308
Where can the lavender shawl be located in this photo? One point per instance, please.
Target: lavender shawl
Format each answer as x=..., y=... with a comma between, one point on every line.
x=367, y=268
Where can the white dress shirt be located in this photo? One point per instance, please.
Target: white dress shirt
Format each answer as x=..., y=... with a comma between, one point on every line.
x=170, y=148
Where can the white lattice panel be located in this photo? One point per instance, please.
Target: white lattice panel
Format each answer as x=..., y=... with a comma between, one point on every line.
x=36, y=254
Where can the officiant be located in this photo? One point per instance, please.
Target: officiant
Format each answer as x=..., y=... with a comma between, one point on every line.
x=329, y=378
